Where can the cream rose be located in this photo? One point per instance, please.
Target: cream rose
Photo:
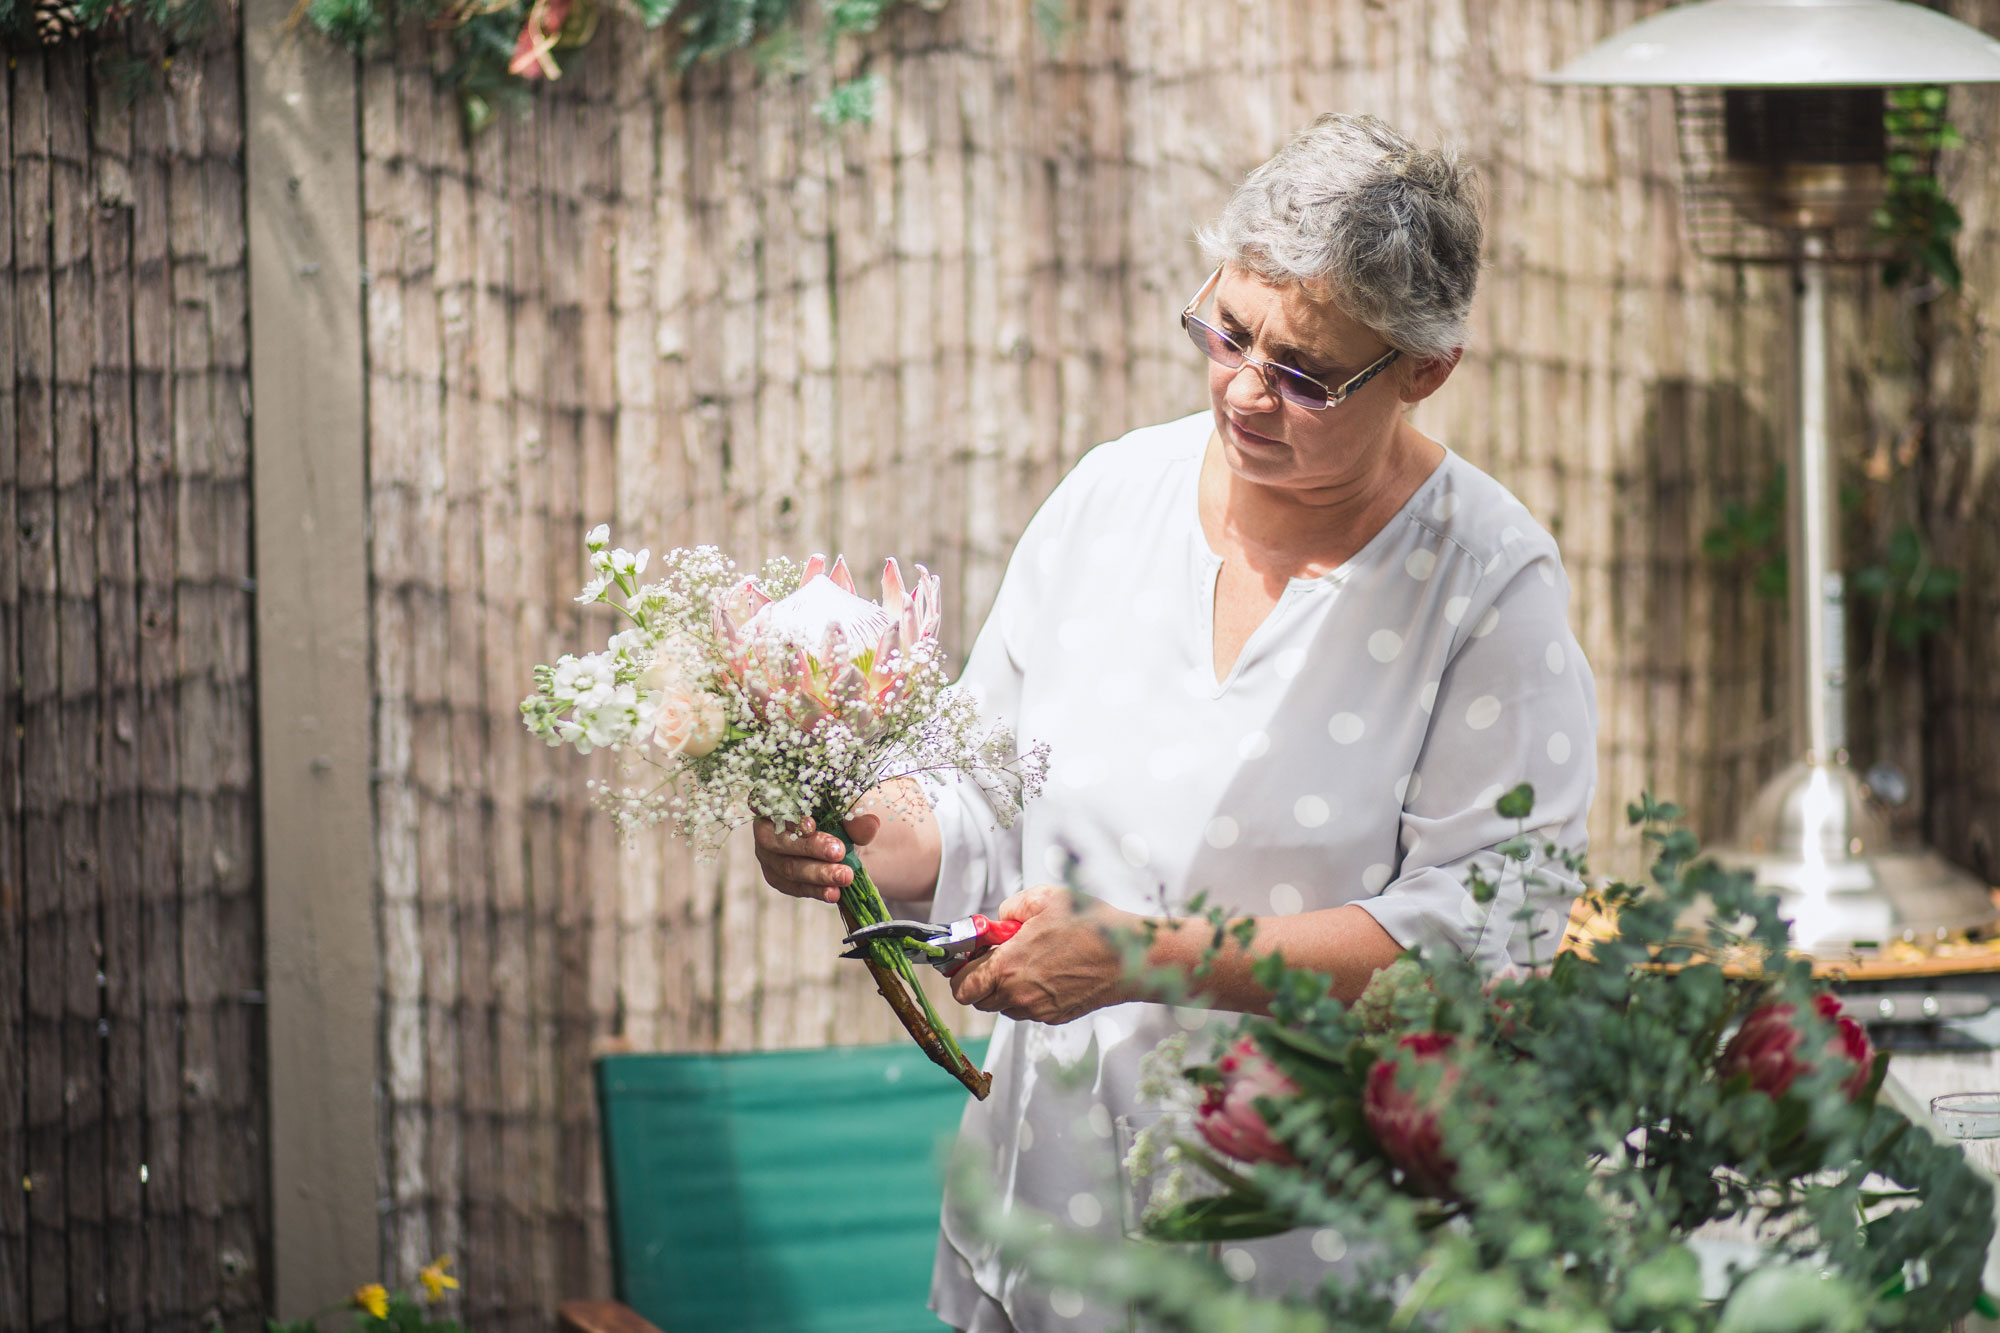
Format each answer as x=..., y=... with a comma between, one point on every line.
x=689, y=722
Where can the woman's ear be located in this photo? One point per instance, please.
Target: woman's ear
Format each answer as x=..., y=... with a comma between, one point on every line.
x=1426, y=377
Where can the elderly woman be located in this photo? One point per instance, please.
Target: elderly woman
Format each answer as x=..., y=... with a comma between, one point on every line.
x=1287, y=652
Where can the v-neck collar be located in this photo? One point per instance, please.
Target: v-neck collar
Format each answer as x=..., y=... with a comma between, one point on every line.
x=1207, y=569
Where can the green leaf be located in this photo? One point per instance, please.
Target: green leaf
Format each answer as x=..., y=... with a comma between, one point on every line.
x=1277, y=1039
x=1221, y=1217
x=1518, y=803
x=1480, y=885
x=1268, y=972
x=852, y=16
x=351, y=21
x=1668, y=1280
x=1794, y=1298
x=850, y=103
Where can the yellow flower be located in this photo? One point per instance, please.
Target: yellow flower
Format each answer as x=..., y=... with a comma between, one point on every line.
x=374, y=1298
x=435, y=1279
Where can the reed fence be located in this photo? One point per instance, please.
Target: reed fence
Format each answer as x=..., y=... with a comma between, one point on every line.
x=681, y=304
x=130, y=969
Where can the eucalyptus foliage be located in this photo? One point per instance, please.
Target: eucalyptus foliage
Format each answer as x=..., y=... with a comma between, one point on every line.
x=1592, y=1134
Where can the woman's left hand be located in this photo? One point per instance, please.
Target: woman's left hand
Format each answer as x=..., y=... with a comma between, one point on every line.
x=1059, y=966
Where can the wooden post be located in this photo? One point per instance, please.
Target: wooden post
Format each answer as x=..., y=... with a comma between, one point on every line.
x=312, y=656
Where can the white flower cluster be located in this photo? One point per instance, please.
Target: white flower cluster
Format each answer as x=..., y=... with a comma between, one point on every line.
x=1157, y=1168
x=731, y=700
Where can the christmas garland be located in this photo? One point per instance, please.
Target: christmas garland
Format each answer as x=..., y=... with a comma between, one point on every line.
x=504, y=49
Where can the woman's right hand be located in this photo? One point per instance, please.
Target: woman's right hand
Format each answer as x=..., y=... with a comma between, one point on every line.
x=805, y=862
x=893, y=822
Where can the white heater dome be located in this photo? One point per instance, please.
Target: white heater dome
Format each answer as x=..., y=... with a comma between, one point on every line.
x=1789, y=44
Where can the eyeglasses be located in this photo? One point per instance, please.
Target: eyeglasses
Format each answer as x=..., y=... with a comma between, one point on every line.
x=1294, y=386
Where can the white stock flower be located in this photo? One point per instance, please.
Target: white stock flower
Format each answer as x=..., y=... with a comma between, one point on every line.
x=585, y=681
x=787, y=715
x=563, y=681
x=631, y=642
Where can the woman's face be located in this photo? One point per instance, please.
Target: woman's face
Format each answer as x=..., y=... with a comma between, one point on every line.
x=1272, y=442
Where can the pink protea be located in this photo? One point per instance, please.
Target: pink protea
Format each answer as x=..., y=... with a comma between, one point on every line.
x=1228, y=1117
x=1766, y=1048
x=1406, y=1124
x=825, y=650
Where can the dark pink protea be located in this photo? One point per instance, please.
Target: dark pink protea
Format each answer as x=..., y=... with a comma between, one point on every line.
x=1228, y=1116
x=1766, y=1048
x=1406, y=1125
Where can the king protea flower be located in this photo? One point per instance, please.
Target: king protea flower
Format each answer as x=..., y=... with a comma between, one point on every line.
x=826, y=651
x=1766, y=1048
x=1406, y=1124
x=1228, y=1117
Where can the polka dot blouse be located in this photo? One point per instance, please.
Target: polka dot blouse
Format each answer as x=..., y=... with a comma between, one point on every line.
x=1352, y=754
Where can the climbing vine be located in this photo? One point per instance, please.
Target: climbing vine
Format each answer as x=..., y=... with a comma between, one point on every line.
x=1915, y=217
x=504, y=49
x=1904, y=592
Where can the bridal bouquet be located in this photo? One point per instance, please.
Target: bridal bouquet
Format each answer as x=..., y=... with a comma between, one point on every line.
x=784, y=696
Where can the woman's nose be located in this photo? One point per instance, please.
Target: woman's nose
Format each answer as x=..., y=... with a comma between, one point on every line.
x=1257, y=397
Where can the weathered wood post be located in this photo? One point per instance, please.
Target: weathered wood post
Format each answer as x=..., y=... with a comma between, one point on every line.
x=312, y=655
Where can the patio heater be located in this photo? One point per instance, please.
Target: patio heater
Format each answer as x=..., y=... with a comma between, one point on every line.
x=1780, y=115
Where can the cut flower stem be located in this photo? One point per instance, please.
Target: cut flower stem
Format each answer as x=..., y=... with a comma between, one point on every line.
x=861, y=905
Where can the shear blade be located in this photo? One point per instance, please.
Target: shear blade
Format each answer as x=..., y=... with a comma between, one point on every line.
x=921, y=931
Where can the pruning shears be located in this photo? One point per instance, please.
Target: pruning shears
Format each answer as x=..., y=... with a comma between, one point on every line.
x=947, y=947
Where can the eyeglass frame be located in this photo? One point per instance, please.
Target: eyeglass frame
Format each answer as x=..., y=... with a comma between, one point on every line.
x=1334, y=396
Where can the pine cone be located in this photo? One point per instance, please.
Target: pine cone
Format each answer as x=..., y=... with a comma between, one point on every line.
x=57, y=21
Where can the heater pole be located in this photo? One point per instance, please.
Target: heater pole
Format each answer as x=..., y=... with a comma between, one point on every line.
x=1818, y=595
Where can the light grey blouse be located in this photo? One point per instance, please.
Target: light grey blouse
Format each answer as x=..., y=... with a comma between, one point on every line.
x=1352, y=755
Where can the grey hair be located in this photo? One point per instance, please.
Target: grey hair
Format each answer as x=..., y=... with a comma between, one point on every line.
x=1353, y=212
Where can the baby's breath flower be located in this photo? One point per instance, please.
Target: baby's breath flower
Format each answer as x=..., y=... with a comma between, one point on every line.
x=806, y=727
x=1161, y=1080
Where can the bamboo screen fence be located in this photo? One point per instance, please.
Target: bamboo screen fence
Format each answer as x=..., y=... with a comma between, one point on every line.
x=130, y=949
x=683, y=306
x=1957, y=495
x=688, y=309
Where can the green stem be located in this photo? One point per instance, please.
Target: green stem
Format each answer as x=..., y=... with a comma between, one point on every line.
x=864, y=901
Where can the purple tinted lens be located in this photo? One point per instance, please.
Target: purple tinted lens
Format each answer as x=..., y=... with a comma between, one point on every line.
x=1304, y=392
x=1288, y=383
x=1212, y=344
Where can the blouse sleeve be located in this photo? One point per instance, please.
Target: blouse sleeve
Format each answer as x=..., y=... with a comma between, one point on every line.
x=980, y=864
x=1515, y=704
x=981, y=861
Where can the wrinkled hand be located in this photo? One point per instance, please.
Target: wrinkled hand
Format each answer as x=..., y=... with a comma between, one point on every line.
x=1060, y=966
x=806, y=863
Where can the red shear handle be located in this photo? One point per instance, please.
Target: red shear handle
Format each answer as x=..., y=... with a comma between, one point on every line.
x=989, y=933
